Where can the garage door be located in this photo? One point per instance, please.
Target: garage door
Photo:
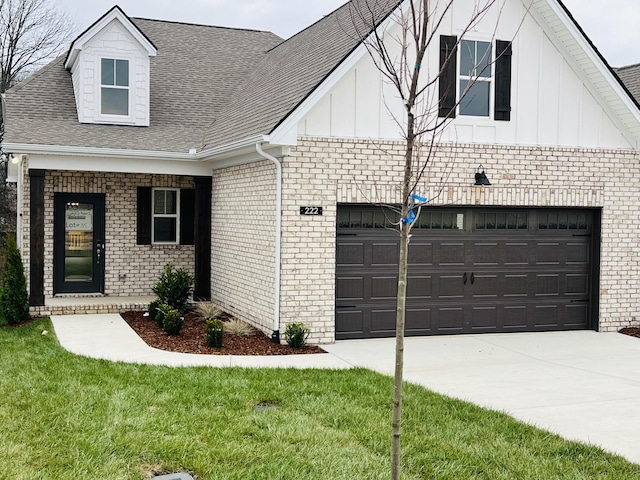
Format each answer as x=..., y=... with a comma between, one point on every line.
x=470, y=271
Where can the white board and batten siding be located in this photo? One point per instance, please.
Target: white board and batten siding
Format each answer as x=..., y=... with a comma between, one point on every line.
x=552, y=101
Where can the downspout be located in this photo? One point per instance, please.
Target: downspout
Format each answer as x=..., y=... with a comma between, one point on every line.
x=275, y=336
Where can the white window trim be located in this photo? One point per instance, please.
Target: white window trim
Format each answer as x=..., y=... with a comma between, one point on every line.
x=490, y=79
x=109, y=118
x=164, y=215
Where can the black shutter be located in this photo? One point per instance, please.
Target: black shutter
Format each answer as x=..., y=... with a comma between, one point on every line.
x=144, y=216
x=503, y=81
x=202, y=274
x=448, y=74
x=187, y=216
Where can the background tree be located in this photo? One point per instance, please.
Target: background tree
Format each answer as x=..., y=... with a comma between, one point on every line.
x=425, y=93
x=32, y=32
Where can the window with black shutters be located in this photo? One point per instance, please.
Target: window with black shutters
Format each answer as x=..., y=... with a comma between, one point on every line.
x=471, y=72
x=165, y=216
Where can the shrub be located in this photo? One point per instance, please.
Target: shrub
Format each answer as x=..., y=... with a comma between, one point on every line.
x=296, y=334
x=208, y=310
x=161, y=311
x=238, y=327
x=153, y=308
x=172, y=322
x=14, y=300
x=214, y=331
x=174, y=287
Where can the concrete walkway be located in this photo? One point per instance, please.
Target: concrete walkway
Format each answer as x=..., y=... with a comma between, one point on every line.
x=581, y=385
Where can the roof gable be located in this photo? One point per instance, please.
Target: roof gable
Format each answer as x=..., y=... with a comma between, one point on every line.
x=291, y=72
x=103, y=22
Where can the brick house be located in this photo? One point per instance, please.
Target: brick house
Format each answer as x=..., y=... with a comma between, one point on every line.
x=260, y=165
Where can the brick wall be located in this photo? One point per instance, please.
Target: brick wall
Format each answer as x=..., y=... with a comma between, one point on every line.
x=325, y=172
x=141, y=265
x=243, y=243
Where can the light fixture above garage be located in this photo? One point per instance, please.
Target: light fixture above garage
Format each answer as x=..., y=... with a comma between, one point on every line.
x=481, y=177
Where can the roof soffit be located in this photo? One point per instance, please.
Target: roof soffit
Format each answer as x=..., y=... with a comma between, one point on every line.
x=583, y=57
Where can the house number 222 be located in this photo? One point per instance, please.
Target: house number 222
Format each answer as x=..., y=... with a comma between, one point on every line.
x=310, y=210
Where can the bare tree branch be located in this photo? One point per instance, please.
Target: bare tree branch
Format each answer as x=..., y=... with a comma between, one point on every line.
x=32, y=32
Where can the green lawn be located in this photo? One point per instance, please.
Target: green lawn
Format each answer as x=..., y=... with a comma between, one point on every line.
x=66, y=417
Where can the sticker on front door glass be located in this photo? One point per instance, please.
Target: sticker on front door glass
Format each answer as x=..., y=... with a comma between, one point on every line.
x=78, y=248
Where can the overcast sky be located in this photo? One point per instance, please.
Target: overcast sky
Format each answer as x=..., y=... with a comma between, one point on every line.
x=612, y=25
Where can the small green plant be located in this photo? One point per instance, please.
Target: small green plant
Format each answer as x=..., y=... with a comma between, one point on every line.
x=174, y=287
x=153, y=308
x=14, y=299
x=208, y=310
x=161, y=312
x=296, y=334
x=214, y=331
x=172, y=322
x=238, y=327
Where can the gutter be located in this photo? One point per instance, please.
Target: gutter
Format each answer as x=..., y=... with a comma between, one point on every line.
x=275, y=336
x=135, y=154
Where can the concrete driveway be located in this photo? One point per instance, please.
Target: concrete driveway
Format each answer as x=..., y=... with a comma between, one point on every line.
x=581, y=385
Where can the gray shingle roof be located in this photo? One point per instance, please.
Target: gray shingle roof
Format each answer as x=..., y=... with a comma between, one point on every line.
x=196, y=71
x=292, y=70
x=630, y=76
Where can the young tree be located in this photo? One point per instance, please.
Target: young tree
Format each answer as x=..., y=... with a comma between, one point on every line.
x=429, y=100
x=14, y=300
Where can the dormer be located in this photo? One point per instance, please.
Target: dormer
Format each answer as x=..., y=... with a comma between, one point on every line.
x=110, y=70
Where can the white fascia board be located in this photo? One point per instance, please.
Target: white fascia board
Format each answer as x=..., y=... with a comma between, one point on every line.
x=231, y=149
x=246, y=157
x=62, y=157
x=117, y=165
x=595, y=59
x=94, y=151
x=286, y=132
x=241, y=153
x=84, y=159
x=78, y=44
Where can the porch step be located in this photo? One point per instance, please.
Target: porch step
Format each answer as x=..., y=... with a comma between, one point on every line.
x=68, y=305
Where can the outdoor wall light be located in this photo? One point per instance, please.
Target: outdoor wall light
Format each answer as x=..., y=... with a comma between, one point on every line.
x=15, y=159
x=481, y=177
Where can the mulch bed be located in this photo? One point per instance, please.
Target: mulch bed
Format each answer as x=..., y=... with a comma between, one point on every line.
x=192, y=339
x=632, y=331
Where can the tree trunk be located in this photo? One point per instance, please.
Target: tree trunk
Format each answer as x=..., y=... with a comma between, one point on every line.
x=396, y=423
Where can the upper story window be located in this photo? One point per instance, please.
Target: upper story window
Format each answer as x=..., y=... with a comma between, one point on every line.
x=114, y=90
x=475, y=78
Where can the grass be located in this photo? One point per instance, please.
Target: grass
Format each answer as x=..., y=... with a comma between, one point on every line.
x=67, y=417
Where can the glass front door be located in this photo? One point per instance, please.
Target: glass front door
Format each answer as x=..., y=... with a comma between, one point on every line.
x=79, y=243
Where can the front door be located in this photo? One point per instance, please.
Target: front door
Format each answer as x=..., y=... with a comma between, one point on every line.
x=78, y=243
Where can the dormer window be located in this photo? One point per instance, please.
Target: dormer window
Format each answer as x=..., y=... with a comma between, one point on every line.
x=110, y=65
x=114, y=91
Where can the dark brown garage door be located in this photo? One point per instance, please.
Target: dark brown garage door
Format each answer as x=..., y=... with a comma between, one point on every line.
x=470, y=271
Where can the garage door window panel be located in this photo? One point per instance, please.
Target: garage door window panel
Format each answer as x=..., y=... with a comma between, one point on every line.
x=502, y=221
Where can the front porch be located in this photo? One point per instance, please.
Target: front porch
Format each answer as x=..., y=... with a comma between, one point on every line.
x=67, y=305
